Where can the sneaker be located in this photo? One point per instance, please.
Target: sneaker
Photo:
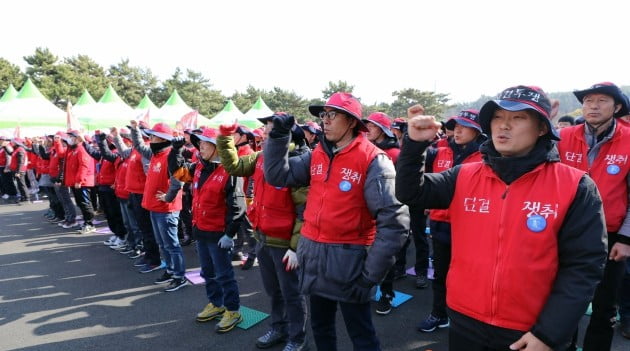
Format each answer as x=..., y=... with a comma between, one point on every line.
x=624, y=328
x=69, y=225
x=421, y=281
x=119, y=244
x=237, y=256
x=5, y=196
x=229, y=320
x=384, y=305
x=165, y=278
x=271, y=338
x=126, y=250
x=176, y=284
x=57, y=220
x=295, y=346
x=136, y=254
x=110, y=241
x=249, y=263
x=432, y=322
x=140, y=263
x=87, y=229
x=148, y=268
x=210, y=312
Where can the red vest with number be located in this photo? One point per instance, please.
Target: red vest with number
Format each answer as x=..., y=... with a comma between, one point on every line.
x=444, y=161
x=107, y=173
x=336, y=211
x=135, y=178
x=14, y=161
x=120, y=187
x=273, y=210
x=609, y=171
x=158, y=179
x=209, y=207
x=511, y=253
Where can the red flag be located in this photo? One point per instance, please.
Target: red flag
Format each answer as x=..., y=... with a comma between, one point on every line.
x=189, y=120
x=71, y=121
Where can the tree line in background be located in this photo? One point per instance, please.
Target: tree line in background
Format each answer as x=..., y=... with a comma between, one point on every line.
x=64, y=80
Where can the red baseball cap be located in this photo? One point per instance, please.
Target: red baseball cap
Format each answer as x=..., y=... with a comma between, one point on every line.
x=344, y=102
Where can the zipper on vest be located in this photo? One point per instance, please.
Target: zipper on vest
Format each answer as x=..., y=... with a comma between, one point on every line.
x=330, y=161
x=507, y=187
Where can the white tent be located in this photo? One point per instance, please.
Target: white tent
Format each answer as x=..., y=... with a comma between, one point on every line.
x=173, y=110
x=228, y=115
x=109, y=111
x=258, y=110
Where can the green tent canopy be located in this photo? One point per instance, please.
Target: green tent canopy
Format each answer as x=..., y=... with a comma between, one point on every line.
x=258, y=110
x=146, y=104
x=172, y=111
x=85, y=99
x=109, y=111
x=9, y=94
x=31, y=111
x=228, y=115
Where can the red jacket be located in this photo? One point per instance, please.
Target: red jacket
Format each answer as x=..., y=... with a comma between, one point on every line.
x=158, y=179
x=3, y=157
x=273, y=210
x=443, y=161
x=42, y=166
x=336, y=211
x=14, y=160
x=209, y=207
x=513, y=244
x=107, y=173
x=120, y=188
x=135, y=177
x=609, y=171
x=79, y=167
x=57, y=153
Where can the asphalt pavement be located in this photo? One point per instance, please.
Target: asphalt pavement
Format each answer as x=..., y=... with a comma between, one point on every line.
x=60, y=290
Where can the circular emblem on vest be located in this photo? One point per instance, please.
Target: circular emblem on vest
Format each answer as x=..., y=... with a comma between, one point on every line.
x=613, y=169
x=536, y=223
x=278, y=188
x=195, y=185
x=345, y=186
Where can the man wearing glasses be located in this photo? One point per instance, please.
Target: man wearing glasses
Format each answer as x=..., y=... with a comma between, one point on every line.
x=351, y=206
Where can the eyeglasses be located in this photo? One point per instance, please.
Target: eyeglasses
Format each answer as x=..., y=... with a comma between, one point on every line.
x=331, y=115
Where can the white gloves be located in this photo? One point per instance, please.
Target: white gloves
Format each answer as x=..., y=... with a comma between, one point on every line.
x=290, y=260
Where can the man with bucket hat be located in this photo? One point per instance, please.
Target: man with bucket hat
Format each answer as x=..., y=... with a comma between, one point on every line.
x=380, y=134
x=218, y=205
x=350, y=207
x=523, y=276
x=600, y=147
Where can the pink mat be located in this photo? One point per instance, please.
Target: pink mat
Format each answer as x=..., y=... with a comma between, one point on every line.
x=103, y=230
x=412, y=271
x=194, y=276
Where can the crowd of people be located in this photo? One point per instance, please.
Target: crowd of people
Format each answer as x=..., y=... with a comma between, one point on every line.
x=527, y=218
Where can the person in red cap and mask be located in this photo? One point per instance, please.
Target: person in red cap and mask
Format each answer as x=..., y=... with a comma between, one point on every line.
x=79, y=177
x=522, y=278
x=218, y=205
x=350, y=207
x=600, y=147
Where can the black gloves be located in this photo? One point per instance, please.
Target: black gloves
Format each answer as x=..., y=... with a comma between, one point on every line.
x=101, y=136
x=360, y=289
x=178, y=142
x=282, y=124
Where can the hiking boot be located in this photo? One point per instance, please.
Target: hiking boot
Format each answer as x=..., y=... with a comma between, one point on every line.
x=421, y=281
x=165, y=278
x=384, y=305
x=249, y=263
x=229, y=320
x=295, y=346
x=210, y=312
x=176, y=284
x=432, y=322
x=271, y=338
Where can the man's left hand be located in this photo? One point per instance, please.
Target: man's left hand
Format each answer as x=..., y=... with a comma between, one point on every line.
x=529, y=342
x=619, y=252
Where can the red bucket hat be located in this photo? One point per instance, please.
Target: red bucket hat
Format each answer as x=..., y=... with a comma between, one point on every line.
x=161, y=130
x=344, y=102
x=382, y=121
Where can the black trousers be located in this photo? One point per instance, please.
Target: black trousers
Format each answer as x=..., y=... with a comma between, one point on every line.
x=21, y=185
x=441, y=262
x=417, y=225
x=151, y=249
x=111, y=208
x=82, y=198
x=54, y=203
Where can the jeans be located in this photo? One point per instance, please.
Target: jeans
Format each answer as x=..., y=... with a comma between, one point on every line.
x=134, y=235
x=288, y=305
x=82, y=197
x=217, y=270
x=165, y=230
x=63, y=194
x=358, y=320
x=599, y=333
x=152, y=252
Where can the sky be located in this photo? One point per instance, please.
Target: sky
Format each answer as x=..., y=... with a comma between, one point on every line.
x=461, y=48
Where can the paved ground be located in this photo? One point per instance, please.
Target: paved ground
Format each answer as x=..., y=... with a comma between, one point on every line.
x=64, y=291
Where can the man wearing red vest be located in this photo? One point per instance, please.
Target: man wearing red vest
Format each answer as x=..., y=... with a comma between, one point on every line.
x=163, y=199
x=274, y=216
x=462, y=148
x=18, y=165
x=350, y=207
x=218, y=205
x=44, y=151
x=600, y=147
x=528, y=235
x=8, y=185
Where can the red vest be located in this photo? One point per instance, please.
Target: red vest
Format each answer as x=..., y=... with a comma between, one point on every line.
x=393, y=153
x=3, y=157
x=158, y=179
x=336, y=211
x=79, y=167
x=42, y=166
x=31, y=160
x=107, y=173
x=504, y=238
x=609, y=171
x=135, y=177
x=120, y=188
x=14, y=161
x=444, y=161
x=209, y=207
x=273, y=210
